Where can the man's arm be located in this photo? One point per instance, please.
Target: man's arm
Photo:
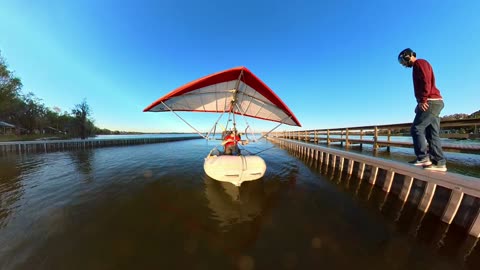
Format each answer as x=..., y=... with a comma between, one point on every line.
x=422, y=81
x=422, y=84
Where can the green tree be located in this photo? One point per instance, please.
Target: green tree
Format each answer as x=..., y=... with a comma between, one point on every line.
x=10, y=87
x=29, y=114
x=82, y=123
x=33, y=115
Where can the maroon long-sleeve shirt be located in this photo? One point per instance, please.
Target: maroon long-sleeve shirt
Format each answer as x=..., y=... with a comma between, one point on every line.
x=424, y=81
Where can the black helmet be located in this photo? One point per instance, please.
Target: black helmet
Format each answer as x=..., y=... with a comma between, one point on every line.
x=405, y=55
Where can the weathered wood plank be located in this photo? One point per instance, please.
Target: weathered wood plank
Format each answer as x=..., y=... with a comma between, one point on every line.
x=427, y=197
x=388, y=181
x=407, y=185
x=452, y=206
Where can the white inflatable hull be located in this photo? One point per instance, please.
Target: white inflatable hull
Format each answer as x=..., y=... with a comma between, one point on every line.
x=234, y=169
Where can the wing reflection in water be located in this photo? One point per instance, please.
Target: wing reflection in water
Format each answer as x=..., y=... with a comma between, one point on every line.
x=234, y=205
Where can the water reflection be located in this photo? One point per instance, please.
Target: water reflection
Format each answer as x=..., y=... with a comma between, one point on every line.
x=467, y=247
x=11, y=189
x=402, y=219
x=84, y=160
x=153, y=207
x=234, y=205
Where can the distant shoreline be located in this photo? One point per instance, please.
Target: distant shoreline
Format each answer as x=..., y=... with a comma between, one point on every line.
x=49, y=137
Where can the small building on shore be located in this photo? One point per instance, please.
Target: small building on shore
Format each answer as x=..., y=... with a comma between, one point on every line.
x=6, y=128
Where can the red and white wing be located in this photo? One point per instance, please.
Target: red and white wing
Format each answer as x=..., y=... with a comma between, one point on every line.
x=235, y=90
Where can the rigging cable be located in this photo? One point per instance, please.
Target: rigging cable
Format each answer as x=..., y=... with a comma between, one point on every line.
x=198, y=132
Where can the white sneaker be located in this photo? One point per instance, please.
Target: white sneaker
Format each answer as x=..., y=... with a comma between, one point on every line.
x=437, y=168
x=422, y=162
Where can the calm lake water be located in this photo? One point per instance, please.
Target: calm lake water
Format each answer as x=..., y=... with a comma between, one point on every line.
x=152, y=207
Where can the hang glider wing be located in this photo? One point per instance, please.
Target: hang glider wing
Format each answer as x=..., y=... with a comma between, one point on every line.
x=235, y=90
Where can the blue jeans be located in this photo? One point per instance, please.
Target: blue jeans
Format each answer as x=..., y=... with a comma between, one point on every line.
x=425, y=132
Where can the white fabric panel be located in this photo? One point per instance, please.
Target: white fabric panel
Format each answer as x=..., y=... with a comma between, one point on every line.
x=217, y=97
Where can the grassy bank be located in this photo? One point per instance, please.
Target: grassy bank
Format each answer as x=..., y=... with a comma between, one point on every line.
x=32, y=137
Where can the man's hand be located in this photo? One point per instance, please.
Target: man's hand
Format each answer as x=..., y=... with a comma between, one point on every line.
x=227, y=141
x=422, y=106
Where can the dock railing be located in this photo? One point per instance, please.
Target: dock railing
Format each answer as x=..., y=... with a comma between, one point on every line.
x=60, y=145
x=382, y=135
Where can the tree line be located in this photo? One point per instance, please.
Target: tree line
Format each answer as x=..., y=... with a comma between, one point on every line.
x=30, y=116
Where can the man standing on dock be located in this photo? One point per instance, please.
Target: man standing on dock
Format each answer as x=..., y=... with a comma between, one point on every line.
x=426, y=125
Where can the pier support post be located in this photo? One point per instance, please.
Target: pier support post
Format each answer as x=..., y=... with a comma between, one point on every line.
x=387, y=185
x=407, y=185
x=361, y=170
x=373, y=175
x=350, y=166
x=475, y=227
x=340, y=165
x=452, y=206
x=427, y=197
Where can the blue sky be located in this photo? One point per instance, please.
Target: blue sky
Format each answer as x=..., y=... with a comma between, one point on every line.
x=332, y=62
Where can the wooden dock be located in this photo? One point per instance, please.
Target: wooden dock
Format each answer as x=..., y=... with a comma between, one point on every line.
x=350, y=136
x=60, y=145
x=463, y=191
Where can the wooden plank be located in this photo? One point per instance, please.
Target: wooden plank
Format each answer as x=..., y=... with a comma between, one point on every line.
x=350, y=166
x=373, y=175
x=361, y=169
x=387, y=185
x=340, y=165
x=475, y=227
x=452, y=206
x=407, y=185
x=427, y=197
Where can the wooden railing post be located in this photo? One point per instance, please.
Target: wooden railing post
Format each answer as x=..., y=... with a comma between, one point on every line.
x=389, y=133
x=346, y=139
x=375, y=139
x=341, y=138
x=361, y=138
